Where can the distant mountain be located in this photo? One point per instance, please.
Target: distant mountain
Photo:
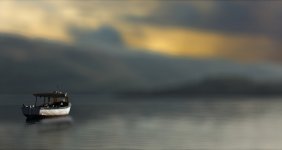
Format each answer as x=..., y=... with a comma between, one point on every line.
x=33, y=65
x=220, y=86
x=30, y=65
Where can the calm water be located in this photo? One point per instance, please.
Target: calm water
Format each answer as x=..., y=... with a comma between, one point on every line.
x=151, y=124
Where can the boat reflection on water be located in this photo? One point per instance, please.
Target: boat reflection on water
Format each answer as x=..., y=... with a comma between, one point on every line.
x=51, y=124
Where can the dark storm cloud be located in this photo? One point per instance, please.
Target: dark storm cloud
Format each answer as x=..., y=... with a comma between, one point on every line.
x=105, y=38
x=263, y=17
x=103, y=35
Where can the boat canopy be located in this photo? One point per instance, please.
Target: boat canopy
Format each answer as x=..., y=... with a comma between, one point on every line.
x=54, y=94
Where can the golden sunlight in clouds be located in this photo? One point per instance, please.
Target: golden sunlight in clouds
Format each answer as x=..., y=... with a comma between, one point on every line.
x=28, y=19
x=196, y=43
x=173, y=41
x=53, y=19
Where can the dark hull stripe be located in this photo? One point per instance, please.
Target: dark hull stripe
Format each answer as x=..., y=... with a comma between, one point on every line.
x=43, y=116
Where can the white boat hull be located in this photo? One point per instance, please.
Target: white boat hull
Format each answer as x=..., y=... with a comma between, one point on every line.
x=30, y=111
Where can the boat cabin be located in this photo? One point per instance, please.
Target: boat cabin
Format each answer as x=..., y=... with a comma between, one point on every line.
x=51, y=100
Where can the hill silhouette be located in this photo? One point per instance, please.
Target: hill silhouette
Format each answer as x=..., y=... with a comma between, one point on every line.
x=30, y=65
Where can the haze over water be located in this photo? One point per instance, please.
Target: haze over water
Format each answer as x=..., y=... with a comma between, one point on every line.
x=150, y=124
x=153, y=54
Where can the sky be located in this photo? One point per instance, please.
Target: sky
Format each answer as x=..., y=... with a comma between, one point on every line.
x=235, y=30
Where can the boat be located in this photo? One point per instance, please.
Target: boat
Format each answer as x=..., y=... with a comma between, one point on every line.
x=54, y=104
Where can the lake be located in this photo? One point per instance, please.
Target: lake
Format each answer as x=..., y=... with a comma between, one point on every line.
x=109, y=123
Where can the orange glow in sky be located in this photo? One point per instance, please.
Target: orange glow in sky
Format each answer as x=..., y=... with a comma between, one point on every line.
x=51, y=20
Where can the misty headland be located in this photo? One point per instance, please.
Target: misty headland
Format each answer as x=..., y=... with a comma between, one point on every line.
x=30, y=65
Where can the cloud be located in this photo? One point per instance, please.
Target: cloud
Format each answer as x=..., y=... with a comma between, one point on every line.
x=201, y=44
x=105, y=35
x=261, y=17
x=236, y=30
x=52, y=19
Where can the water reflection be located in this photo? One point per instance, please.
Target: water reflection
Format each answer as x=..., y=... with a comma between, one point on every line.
x=50, y=124
x=211, y=124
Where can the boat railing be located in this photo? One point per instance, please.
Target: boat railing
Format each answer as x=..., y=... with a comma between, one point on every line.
x=28, y=106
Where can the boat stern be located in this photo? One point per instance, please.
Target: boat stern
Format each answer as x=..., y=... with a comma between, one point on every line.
x=30, y=110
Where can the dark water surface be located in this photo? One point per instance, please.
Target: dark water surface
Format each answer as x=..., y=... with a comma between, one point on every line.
x=105, y=123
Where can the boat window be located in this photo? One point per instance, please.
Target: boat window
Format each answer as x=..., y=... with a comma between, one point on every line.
x=62, y=99
x=57, y=100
